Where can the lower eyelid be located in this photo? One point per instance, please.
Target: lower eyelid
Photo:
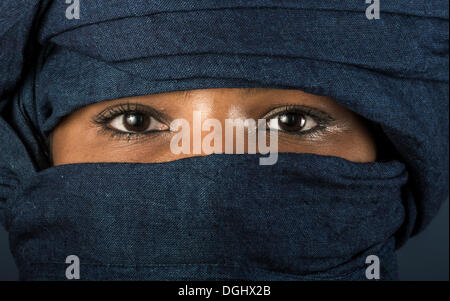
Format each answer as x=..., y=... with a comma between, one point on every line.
x=129, y=137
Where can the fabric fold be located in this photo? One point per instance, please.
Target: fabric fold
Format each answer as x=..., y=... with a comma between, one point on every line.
x=392, y=71
x=306, y=217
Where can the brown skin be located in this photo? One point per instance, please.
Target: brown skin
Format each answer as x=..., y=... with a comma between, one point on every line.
x=78, y=139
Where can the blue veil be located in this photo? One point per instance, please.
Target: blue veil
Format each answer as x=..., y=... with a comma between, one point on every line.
x=393, y=71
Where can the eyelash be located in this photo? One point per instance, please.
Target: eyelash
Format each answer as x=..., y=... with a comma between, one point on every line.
x=107, y=115
x=321, y=118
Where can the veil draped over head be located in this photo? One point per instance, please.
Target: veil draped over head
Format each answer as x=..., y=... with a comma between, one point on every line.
x=393, y=71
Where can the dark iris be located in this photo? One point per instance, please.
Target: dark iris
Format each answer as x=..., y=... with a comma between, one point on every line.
x=291, y=121
x=136, y=122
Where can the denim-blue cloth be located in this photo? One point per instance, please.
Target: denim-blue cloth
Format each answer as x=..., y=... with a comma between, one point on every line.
x=306, y=217
x=222, y=217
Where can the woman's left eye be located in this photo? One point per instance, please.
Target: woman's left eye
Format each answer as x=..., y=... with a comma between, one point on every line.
x=135, y=122
x=292, y=122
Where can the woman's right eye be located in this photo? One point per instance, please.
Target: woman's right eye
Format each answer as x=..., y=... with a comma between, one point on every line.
x=136, y=122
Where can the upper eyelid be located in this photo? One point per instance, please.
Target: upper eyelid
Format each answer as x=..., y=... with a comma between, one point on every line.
x=112, y=112
x=310, y=111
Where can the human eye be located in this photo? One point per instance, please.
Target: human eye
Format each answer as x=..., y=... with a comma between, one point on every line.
x=295, y=119
x=131, y=120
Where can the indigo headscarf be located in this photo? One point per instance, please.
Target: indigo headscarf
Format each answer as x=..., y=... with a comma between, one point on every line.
x=221, y=216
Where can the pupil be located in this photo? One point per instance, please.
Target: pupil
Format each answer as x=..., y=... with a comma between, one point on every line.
x=291, y=121
x=136, y=122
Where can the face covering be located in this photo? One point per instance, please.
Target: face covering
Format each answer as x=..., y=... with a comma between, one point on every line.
x=222, y=216
x=305, y=218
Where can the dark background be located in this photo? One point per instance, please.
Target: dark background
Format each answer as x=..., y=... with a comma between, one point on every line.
x=424, y=257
